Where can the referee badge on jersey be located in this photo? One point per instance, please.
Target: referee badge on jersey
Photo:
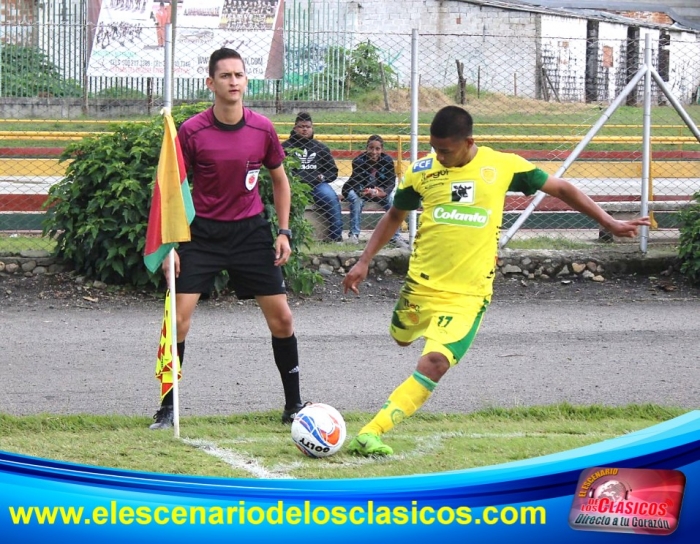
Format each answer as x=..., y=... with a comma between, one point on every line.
x=251, y=179
x=488, y=174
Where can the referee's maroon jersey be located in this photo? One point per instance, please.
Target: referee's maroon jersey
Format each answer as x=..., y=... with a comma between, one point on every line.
x=225, y=160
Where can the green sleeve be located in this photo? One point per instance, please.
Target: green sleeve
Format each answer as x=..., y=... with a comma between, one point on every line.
x=528, y=182
x=407, y=199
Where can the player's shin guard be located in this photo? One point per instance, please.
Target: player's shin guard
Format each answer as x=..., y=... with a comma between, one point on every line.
x=287, y=361
x=406, y=399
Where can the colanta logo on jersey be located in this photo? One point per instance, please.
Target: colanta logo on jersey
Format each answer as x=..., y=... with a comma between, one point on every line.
x=423, y=164
x=463, y=191
x=462, y=216
x=308, y=162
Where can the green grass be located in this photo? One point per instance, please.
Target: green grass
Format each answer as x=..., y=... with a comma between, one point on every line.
x=23, y=243
x=493, y=114
x=319, y=248
x=15, y=244
x=64, y=125
x=257, y=445
x=536, y=242
x=546, y=242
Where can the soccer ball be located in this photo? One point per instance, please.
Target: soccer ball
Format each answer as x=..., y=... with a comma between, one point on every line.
x=318, y=430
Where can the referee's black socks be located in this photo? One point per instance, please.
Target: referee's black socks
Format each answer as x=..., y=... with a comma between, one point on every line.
x=287, y=361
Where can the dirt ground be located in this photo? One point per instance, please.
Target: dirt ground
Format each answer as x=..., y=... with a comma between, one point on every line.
x=629, y=339
x=431, y=100
x=70, y=290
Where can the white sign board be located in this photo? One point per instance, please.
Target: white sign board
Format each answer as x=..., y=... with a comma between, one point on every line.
x=130, y=37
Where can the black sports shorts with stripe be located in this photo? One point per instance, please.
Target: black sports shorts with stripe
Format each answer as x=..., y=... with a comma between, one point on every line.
x=243, y=248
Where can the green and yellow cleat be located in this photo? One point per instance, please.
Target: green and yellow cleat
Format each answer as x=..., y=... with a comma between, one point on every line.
x=369, y=444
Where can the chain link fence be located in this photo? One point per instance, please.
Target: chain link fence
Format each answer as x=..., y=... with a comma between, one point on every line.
x=65, y=75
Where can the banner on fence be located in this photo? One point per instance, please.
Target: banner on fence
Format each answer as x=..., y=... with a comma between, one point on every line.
x=130, y=35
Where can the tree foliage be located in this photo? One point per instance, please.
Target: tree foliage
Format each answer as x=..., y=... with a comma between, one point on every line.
x=98, y=213
x=365, y=68
x=351, y=73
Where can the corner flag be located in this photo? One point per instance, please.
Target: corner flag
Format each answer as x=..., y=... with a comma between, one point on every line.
x=164, y=359
x=172, y=209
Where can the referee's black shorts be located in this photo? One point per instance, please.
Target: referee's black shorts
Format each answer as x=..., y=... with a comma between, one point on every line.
x=243, y=248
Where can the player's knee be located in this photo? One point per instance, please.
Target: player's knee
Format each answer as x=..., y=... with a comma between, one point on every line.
x=433, y=365
x=281, y=324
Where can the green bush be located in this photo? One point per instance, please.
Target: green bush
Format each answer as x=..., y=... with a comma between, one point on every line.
x=27, y=71
x=689, y=245
x=347, y=73
x=98, y=213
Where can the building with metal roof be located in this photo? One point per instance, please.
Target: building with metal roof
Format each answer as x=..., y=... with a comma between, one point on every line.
x=683, y=12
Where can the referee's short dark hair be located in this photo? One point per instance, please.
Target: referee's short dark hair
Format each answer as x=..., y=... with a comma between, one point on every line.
x=221, y=54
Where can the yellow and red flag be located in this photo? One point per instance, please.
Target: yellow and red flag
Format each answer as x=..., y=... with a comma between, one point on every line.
x=172, y=209
x=164, y=360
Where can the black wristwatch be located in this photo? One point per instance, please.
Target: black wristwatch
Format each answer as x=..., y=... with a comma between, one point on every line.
x=286, y=232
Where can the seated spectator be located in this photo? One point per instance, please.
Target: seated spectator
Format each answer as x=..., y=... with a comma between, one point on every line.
x=319, y=170
x=373, y=179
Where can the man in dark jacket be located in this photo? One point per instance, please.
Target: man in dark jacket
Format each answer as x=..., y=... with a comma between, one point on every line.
x=319, y=170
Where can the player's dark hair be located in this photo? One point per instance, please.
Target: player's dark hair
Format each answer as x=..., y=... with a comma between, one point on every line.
x=303, y=117
x=452, y=122
x=221, y=54
x=376, y=138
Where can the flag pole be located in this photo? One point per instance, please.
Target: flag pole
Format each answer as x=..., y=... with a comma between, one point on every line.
x=167, y=105
x=173, y=344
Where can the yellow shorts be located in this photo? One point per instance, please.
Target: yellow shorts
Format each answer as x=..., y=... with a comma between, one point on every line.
x=448, y=321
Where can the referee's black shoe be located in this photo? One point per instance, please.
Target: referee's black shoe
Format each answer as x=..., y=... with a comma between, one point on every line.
x=289, y=413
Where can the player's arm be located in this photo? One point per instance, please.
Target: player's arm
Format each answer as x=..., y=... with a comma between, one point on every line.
x=407, y=198
x=383, y=232
x=282, y=195
x=579, y=201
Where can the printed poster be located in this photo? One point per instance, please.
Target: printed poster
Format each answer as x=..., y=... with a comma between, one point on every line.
x=129, y=36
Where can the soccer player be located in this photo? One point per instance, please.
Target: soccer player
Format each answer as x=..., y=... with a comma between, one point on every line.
x=224, y=149
x=462, y=189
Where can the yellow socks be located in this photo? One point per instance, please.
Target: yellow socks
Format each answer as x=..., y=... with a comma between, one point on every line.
x=403, y=402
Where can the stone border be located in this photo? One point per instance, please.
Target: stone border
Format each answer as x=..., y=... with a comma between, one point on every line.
x=31, y=263
x=531, y=264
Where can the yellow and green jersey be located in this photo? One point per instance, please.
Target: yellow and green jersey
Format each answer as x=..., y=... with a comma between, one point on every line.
x=456, y=243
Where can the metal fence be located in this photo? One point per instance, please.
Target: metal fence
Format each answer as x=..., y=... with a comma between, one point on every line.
x=537, y=96
x=109, y=61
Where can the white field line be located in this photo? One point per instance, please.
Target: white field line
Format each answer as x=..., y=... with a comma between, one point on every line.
x=425, y=445
x=236, y=460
